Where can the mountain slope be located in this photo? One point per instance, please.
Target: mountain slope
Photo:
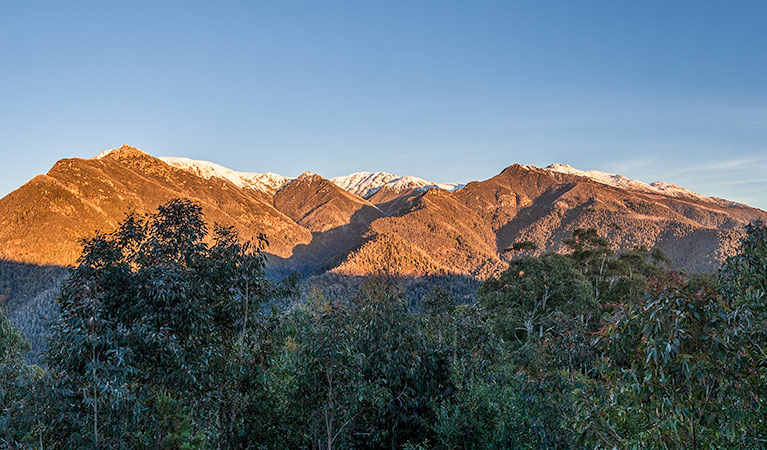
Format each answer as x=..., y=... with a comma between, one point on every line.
x=336, y=219
x=319, y=205
x=372, y=221
x=389, y=254
x=43, y=221
x=545, y=206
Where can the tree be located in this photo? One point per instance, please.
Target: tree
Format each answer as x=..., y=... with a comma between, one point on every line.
x=743, y=284
x=529, y=296
x=365, y=373
x=544, y=309
x=591, y=254
x=438, y=307
x=154, y=320
x=626, y=274
x=16, y=381
x=325, y=374
x=671, y=377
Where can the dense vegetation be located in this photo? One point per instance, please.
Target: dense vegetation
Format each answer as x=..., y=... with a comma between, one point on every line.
x=172, y=337
x=28, y=294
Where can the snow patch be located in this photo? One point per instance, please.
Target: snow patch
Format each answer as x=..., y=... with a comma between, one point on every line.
x=104, y=153
x=365, y=184
x=361, y=183
x=266, y=182
x=619, y=181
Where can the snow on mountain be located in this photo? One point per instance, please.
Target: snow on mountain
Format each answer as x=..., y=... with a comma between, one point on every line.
x=266, y=182
x=361, y=183
x=104, y=153
x=450, y=186
x=366, y=184
x=611, y=179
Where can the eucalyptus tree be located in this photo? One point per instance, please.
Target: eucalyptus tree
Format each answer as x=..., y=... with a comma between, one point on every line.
x=672, y=376
x=156, y=321
x=743, y=280
x=528, y=298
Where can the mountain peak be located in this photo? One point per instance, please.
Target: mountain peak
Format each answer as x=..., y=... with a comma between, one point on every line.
x=560, y=167
x=516, y=167
x=365, y=184
x=124, y=151
x=309, y=176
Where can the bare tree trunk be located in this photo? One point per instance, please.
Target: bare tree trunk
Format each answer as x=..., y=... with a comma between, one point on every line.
x=529, y=329
x=599, y=279
x=245, y=319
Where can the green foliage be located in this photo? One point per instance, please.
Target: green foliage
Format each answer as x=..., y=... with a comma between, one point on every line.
x=743, y=283
x=438, y=302
x=324, y=372
x=495, y=403
x=362, y=375
x=173, y=426
x=615, y=279
x=589, y=249
x=167, y=339
x=12, y=343
x=744, y=276
x=625, y=276
x=545, y=310
x=28, y=294
x=153, y=309
x=530, y=298
x=17, y=380
x=671, y=377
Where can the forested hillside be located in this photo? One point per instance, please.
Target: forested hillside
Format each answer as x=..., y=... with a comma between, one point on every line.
x=28, y=296
x=170, y=335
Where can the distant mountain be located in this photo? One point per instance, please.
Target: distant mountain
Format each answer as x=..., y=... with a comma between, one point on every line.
x=319, y=205
x=365, y=184
x=371, y=222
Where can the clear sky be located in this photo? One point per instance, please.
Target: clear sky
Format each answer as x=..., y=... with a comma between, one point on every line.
x=448, y=91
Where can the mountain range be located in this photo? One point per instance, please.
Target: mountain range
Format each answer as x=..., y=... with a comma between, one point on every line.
x=371, y=222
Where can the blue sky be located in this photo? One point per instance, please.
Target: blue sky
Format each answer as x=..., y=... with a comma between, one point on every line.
x=449, y=91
